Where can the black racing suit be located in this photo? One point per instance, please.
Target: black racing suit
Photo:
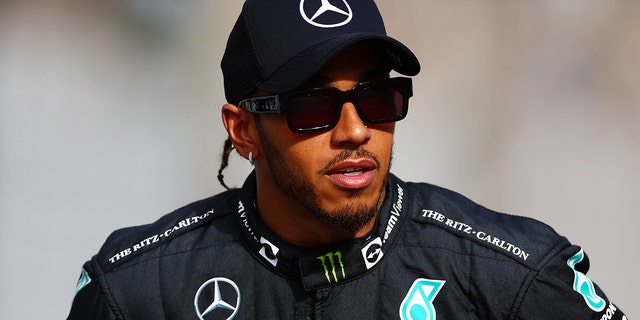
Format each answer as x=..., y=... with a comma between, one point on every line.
x=432, y=253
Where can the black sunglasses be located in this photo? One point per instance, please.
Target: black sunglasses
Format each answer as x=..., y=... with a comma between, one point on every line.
x=379, y=101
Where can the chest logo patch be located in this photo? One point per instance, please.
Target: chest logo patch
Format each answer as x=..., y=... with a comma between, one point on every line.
x=218, y=298
x=418, y=303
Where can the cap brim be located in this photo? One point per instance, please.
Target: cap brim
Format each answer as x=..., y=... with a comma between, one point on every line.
x=302, y=67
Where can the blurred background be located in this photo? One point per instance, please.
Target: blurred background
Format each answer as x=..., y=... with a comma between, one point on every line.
x=110, y=117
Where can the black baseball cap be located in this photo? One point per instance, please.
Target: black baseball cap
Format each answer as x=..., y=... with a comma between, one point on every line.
x=278, y=45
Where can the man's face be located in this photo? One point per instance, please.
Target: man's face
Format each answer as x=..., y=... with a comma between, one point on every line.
x=339, y=174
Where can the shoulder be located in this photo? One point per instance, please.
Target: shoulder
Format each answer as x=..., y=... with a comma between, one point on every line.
x=531, y=264
x=521, y=239
x=127, y=245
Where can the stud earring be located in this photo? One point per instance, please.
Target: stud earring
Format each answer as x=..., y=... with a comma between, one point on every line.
x=251, y=157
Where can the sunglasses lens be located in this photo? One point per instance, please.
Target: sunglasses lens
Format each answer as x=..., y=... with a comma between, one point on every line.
x=312, y=111
x=382, y=104
x=377, y=102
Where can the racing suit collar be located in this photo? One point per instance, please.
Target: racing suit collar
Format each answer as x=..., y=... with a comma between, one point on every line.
x=329, y=265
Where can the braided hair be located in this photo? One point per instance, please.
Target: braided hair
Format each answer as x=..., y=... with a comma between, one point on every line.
x=228, y=147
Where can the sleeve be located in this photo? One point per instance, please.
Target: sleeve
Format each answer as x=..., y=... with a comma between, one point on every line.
x=90, y=301
x=562, y=290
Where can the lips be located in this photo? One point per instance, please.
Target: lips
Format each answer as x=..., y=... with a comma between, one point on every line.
x=353, y=174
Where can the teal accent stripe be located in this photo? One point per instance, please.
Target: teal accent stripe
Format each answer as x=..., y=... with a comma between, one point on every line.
x=83, y=281
x=583, y=285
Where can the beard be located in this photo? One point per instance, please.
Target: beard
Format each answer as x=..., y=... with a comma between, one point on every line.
x=349, y=218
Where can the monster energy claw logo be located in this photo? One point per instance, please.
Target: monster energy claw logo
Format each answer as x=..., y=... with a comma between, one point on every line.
x=329, y=262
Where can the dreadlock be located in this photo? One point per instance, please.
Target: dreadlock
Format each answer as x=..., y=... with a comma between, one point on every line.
x=228, y=147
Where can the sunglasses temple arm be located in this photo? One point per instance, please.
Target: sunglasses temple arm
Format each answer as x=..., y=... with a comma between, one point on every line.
x=270, y=104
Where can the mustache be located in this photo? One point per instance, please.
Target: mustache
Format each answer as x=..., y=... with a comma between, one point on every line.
x=350, y=154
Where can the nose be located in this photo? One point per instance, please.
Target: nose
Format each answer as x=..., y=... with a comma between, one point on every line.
x=350, y=132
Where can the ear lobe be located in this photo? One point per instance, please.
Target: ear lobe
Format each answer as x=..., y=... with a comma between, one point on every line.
x=241, y=128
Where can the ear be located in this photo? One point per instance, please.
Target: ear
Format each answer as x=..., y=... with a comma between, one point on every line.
x=241, y=128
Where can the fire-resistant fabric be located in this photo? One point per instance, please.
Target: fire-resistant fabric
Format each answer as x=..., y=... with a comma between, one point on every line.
x=433, y=253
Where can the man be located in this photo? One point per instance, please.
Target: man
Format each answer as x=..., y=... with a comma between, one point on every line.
x=321, y=229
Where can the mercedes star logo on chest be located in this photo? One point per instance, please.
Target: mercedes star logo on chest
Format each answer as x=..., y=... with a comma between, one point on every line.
x=218, y=298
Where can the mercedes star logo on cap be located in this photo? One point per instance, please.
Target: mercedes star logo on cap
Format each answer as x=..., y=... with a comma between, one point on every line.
x=327, y=15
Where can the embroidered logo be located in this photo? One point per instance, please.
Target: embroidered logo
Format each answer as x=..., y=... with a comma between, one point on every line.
x=327, y=14
x=218, y=298
x=372, y=253
x=269, y=251
x=418, y=303
x=331, y=262
x=583, y=285
x=84, y=280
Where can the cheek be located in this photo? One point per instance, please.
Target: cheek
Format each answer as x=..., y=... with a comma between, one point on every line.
x=307, y=151
x=299, y=150
x=382, y=137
